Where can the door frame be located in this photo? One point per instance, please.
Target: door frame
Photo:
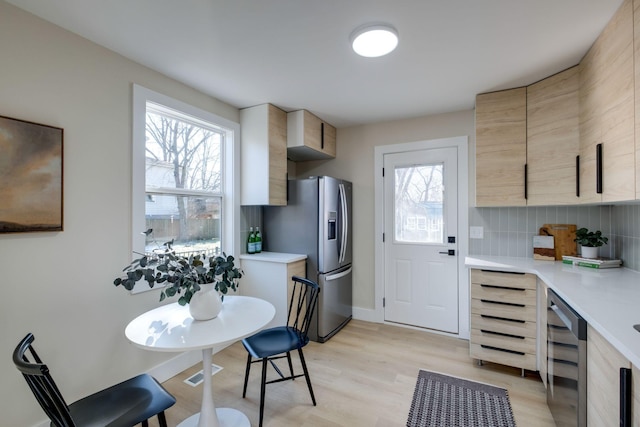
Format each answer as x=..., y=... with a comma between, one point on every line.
x=462, y=145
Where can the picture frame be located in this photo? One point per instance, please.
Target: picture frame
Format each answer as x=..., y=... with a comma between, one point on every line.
x=31, y=176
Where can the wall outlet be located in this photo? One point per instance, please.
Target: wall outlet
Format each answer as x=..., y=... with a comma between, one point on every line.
x=476, y=232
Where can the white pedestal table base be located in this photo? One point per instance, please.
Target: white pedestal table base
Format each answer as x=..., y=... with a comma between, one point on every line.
x=209, y=416
x=227, y=417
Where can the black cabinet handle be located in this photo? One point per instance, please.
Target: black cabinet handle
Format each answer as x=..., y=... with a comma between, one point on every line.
x=526, y=182
x=322, y=135
x=599, y=168
x=625, y=397
x=577, y=176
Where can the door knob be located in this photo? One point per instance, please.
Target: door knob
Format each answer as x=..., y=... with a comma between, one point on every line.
x=450, y=252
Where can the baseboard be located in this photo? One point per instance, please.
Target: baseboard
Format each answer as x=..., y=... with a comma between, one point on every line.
x=366, y=314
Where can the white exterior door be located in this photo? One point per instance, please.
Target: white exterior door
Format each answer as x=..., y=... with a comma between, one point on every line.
x=420, y=238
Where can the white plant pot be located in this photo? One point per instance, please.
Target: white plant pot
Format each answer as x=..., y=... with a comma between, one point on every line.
x=206, y=303
x=589, y=251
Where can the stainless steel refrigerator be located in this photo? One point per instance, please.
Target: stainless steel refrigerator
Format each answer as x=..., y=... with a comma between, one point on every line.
x=317, y=222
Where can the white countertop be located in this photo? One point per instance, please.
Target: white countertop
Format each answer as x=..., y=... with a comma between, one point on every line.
x=609, y=299
x=274, y=257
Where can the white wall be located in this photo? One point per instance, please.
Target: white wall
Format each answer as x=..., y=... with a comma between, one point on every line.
x=59, y=285
x=355, y=162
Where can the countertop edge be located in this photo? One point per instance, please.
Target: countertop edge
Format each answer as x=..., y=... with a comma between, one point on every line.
x=278, y=257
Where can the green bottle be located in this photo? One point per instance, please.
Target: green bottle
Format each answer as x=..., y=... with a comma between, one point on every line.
x=251, y=242
x=258, y=240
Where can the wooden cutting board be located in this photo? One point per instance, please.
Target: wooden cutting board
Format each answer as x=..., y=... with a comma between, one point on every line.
x=564, y=238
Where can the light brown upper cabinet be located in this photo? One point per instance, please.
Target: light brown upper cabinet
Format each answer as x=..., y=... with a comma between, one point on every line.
x=264, y=155
x=553, y=139
x=604, y=89
x=636, y=43
x=309, y=138
x=501, y=147
x=607, y=113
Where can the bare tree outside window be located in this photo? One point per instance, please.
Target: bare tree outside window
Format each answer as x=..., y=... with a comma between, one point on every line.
x=184, y=178
x=419, y=198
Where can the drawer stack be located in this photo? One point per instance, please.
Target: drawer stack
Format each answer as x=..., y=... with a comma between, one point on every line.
x=503, y=318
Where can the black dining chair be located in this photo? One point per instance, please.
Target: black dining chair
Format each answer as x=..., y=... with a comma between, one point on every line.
x=127, y=404
x=278, y=342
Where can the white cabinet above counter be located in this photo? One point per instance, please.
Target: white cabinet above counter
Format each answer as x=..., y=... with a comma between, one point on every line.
x=609, y=299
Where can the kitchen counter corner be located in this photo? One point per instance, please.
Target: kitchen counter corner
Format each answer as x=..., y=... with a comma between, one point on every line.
x=608, y=299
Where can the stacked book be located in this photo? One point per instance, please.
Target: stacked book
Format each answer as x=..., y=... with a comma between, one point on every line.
x=591, y=262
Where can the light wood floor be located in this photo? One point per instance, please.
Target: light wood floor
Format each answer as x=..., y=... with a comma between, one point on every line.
x=363, y=376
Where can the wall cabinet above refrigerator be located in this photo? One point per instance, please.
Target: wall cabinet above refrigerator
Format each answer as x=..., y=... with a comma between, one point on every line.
x=309, y=138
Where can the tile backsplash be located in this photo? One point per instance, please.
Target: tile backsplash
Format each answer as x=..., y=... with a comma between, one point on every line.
x=510, y=231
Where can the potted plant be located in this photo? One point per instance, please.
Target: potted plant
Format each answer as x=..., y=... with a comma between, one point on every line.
x=197, y=279
x=590, y=241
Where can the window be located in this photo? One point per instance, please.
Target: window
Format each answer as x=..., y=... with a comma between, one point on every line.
x=184, y=177
x=419, y=204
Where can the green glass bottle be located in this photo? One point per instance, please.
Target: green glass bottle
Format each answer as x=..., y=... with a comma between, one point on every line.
x=258, y=240
x=251, y=242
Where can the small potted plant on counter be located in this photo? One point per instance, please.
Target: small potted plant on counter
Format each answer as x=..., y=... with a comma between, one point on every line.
x=589, y=242
x=197, y=279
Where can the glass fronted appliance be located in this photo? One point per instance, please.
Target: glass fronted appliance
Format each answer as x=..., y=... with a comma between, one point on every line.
x=567, y=363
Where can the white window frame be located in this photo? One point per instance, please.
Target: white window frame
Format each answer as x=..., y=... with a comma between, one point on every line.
x=230, y=227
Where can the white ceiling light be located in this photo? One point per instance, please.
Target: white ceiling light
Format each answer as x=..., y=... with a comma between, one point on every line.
x=373, y=40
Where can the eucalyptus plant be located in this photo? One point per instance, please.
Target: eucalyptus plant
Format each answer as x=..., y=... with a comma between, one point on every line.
x=593, y=239
x=181, y=275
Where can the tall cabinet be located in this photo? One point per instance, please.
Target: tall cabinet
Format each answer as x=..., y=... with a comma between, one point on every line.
x=264, y=155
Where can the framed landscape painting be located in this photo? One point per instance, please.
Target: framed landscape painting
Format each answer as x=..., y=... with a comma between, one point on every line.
x=30, y=176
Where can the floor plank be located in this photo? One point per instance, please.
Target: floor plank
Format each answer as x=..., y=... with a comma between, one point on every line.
x=363, y=376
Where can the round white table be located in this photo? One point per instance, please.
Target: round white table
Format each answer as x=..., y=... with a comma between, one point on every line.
x=171, y=328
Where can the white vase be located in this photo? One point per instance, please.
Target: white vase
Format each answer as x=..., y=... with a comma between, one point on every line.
x=206, y=303
x=589, y=252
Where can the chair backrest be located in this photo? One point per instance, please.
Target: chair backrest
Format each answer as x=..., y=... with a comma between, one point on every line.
x=41, y=384
x=302, y=303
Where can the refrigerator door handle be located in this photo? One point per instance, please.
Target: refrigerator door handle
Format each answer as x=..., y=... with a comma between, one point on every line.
x=344, y=225
x=338, y=275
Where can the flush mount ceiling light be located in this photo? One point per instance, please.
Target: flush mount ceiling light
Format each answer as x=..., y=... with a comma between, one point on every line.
x=373, y=40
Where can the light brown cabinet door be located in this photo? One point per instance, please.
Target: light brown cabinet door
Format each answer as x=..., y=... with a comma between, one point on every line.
x=603, y=380
x=607, y=113
x=501, y=148
x=553, y=139
x=542, y=330
x=309, y=138
x=636, y=44
x=635, y=395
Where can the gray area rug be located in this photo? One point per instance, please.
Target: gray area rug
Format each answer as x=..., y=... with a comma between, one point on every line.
x=444, y=401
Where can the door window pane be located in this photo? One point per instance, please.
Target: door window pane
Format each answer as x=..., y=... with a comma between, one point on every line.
x=419, y=201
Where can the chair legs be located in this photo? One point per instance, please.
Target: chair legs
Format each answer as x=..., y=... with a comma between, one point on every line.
x=263, y=387
x=306, y=376
x=263, y=381
x=246, y=376
x=162, y=420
